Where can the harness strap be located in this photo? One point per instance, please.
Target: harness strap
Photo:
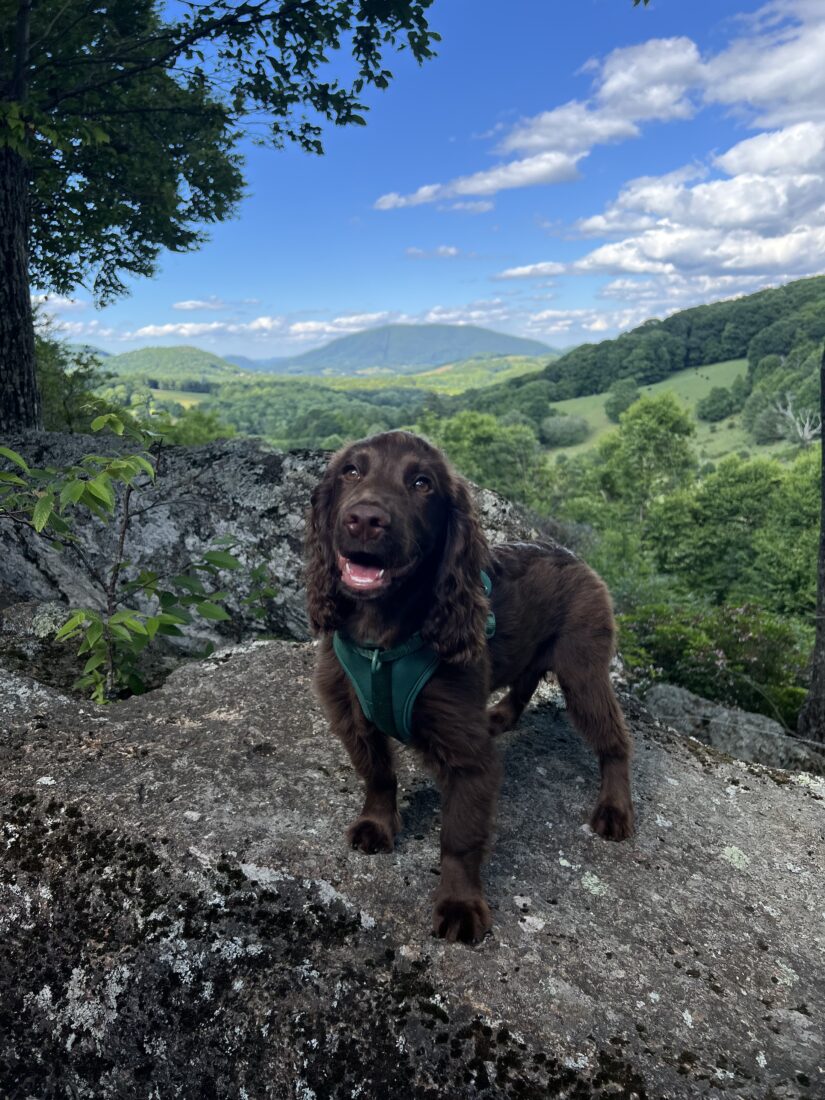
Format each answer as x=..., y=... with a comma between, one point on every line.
x=388, y=681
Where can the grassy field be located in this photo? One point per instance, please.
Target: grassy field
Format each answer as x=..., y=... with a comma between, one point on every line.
x=449, y=379
x=689, y=386
x=188, y=400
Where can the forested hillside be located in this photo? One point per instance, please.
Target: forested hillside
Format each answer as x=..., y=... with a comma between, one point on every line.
x=787, y=319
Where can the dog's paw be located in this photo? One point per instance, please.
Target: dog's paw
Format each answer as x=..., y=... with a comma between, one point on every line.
x=613, y=822
x=464, y=919
x=500, y=718
x=370, y=836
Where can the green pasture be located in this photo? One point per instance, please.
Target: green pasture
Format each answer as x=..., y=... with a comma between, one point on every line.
x=689, y=386
x=183, y=397
x=449, y=379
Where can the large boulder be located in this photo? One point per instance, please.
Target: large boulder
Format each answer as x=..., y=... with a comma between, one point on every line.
x=748, y=736
x=181, y=916
x=241, y=489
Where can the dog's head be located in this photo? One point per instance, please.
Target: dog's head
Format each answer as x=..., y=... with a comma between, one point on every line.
x=390, y=512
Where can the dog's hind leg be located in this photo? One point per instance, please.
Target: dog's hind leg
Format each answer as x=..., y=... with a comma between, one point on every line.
x=504, y=715
x=582, y=669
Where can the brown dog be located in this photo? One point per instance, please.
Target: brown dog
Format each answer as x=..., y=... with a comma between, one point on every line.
x=395, y=552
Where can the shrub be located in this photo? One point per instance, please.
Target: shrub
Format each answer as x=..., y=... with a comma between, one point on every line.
x=564, y=431
x=622, y=394
x=716, y=405
x=736, y=655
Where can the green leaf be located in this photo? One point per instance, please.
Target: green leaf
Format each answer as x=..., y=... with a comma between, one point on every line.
x=102, y=490
x=222, y=558
x=72, y=491
x=14, y=457
x=145, y=465
x=95, y=661
x=70, y=624
x=184, y=580
x=42, y=510
x=212, y=611
x=128, y=619
x=108, y=420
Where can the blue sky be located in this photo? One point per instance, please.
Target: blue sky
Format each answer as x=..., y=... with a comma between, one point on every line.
x=562, y=170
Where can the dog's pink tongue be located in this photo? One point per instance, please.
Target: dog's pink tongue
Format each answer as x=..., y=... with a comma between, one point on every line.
x=361, y=576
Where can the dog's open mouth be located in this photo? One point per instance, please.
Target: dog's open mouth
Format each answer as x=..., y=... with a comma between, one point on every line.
x=365, y=577
x=367, y=574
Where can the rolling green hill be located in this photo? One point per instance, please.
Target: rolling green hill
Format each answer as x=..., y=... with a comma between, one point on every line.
x=173, y=364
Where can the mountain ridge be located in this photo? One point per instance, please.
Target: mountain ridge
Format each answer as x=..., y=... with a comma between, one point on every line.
x=401, y=348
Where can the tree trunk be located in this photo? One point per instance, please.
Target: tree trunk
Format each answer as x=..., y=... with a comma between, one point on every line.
x=19, y=396
x=812, y=716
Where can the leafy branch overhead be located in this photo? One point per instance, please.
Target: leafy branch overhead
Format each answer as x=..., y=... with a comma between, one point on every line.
x=128, y=121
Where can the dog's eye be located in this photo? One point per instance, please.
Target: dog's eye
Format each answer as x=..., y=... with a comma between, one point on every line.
x=422, y=484
x=350, y=473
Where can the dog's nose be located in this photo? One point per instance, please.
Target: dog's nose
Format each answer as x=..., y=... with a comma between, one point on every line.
x=366, y=521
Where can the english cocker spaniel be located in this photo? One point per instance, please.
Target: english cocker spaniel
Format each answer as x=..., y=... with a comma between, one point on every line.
x=398, y=576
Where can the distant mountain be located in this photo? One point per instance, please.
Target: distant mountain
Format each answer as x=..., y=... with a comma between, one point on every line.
x=89, y=349
x=401, y=349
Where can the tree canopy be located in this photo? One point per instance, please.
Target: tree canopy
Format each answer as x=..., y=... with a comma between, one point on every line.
x=120, y=124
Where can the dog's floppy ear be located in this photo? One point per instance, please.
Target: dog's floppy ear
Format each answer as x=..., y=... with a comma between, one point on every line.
x=455, y=626
x=321, y=565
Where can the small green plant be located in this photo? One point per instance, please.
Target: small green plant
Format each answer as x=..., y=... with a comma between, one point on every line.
x=114, y=634
x=738, y=655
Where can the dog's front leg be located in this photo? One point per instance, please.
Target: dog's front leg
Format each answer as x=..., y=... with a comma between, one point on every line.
x=375, y=828
x=469, y=790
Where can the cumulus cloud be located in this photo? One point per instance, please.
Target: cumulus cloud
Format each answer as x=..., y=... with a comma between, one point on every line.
x=634, y=84
x=754, y=213
x=777, y=70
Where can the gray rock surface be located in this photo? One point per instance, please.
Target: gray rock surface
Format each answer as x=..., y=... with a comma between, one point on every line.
x=747, y=736
x=180, y=915
x=238, y=488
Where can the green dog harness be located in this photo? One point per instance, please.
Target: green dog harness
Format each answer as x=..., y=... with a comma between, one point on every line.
x=388, y=681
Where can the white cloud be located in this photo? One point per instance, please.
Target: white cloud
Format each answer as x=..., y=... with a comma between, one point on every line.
x=55, y=303
x=442, y=252
x=200, y=303
x=339, y=326
x=472, y=206
x=533, y=271
x=797, y=148
x=548, y=167
x=650, y=81
x=779, y=71
x=186, y=329
x=638, y=83
x=572, y=128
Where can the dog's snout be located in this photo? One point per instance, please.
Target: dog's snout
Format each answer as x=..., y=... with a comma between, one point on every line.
x=366, y=521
